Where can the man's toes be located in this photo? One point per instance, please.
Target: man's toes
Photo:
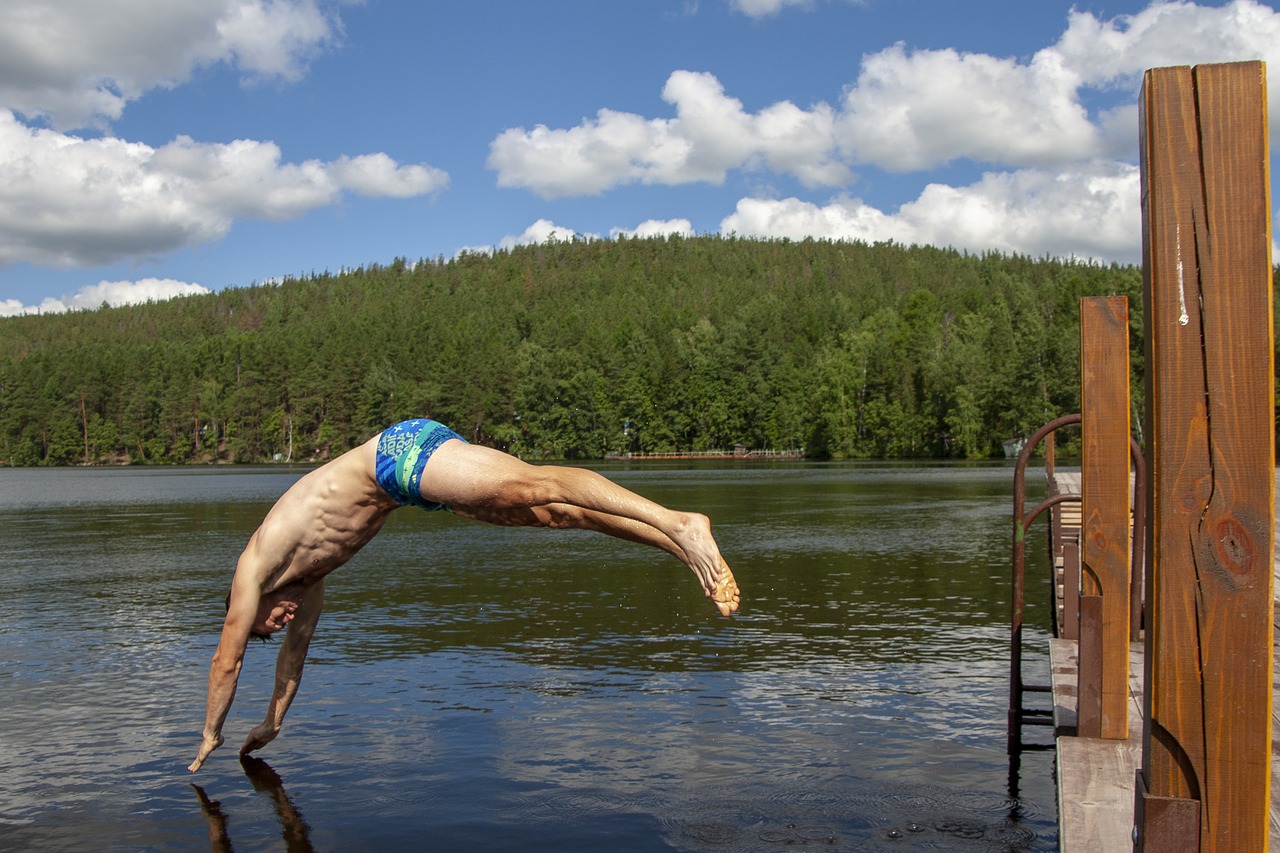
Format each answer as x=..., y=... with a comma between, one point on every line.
x=726, y=590
x=727, y=608
x=726, y=597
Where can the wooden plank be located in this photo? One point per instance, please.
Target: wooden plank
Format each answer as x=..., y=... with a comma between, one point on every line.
x=1095, y=776
x=1164, y=823
x=1104, y=479
x=1210, y=397
x=1095, y=794
x=1089, y=677
x=1062, y=673
x=1236, y=544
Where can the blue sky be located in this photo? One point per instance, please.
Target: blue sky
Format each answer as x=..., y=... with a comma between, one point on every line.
x=151, y=148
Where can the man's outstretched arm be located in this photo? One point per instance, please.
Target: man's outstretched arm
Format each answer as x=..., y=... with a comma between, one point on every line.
x=289, y=664
x=224, y=671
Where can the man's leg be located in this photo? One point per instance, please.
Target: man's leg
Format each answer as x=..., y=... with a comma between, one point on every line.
x=569, y=517
x=480, y=479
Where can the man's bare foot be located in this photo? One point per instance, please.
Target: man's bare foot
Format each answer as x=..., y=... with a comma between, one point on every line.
x=726, y=594
x=700, y=553
x=693, y=535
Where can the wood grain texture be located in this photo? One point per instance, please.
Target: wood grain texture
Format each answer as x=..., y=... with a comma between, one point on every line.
x=1210, y=417
x=1104, y=537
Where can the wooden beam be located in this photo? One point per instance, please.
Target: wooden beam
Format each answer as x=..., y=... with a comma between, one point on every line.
x=1165, y=823
x=1210, y=415
x=1089, y=677
x=1104, y=485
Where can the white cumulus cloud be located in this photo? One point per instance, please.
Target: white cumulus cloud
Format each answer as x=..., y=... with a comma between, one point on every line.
x=710, y=134
x=912, y=110
x=766, y=8
x=542, y=231
x=379, y=175
x=1090, y=213
x=545, y=231
x=1118, y=50
x=1055, y=135
x=656, y=228
x=67, y=200
x=79, y=62
x=81, y=199
x=112, y=293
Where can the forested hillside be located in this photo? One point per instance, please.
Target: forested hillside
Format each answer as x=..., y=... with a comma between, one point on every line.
x=572, y=351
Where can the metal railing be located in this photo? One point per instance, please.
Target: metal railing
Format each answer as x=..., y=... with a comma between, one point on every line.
x=1019, y=714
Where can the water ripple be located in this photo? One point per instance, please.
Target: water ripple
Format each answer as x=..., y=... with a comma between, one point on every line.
x=481, y=688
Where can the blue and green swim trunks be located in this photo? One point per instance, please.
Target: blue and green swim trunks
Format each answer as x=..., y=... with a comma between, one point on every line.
x=403, y=451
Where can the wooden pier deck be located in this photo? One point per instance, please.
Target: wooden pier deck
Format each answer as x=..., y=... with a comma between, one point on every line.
x=1096, y=777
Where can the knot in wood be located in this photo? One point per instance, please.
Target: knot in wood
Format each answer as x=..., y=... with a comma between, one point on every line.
x=1234, y=546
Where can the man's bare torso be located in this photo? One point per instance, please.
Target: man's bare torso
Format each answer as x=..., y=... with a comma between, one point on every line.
x=320, y=522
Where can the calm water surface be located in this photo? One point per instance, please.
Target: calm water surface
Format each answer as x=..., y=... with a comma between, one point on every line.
x=482, y=688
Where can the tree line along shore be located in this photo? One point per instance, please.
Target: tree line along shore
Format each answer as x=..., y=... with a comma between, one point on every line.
x=575, y=350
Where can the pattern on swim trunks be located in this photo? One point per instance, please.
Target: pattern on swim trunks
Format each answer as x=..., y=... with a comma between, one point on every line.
x=403, y=451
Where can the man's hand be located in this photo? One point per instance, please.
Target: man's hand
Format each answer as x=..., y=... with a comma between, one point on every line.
x=260, y=737
x=208, y=745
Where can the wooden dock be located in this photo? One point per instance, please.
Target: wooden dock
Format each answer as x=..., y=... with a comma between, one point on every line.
x=1163, y=692
x=1096, y=776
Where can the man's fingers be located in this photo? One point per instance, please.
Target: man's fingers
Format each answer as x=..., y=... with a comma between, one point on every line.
x=258, y=738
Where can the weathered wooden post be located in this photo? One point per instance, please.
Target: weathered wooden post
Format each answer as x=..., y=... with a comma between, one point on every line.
x=1210, y=412
x=1104, y=528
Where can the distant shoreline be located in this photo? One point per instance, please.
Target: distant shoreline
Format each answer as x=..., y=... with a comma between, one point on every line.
x=736, y=453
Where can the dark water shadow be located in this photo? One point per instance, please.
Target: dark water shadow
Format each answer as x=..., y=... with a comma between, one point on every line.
x=293, y=827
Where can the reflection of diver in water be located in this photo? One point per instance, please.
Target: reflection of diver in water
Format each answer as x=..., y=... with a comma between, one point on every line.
x=219, y=841
x=294, y=829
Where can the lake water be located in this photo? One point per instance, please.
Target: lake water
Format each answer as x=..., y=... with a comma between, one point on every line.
x=482, y=688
